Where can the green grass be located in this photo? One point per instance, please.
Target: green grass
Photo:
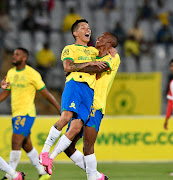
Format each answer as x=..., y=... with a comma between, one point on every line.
x=123, y=171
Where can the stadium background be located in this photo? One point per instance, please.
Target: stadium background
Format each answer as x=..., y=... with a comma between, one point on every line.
x=137, y=101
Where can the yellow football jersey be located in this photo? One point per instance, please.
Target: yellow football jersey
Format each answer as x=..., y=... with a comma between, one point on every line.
x=104, y=81
x=23, y=86
x=80, y=54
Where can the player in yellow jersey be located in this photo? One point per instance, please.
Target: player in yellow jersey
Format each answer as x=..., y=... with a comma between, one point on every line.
x=78, y=94
x=101, y=90
x=23, y=83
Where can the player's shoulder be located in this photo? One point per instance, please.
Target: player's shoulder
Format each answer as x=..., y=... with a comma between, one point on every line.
x=71, y=47
x=93, y=49
x=11, y=70
x=31, y=70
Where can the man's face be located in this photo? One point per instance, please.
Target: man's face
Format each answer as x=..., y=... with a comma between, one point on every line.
x=171, y=67
x=102, y=40
x=18, y=57
x=83, y=32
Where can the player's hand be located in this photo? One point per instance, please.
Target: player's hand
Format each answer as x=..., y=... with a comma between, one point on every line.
x=166, y=124
x=112, y=52
x=4, y=84
x=100, y=64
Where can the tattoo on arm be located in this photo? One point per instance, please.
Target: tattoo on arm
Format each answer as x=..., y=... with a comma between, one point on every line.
x=76, y=66
x=94, y=69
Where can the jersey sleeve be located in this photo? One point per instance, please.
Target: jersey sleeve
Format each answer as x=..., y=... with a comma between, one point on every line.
x=67, y=53
x=171, y=88
x=37, y=81
x=8, y=80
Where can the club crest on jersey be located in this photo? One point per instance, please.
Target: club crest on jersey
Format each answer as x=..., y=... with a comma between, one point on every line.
x=87, y=52
x=16, y=77
x=66, y=52
x=72, y=105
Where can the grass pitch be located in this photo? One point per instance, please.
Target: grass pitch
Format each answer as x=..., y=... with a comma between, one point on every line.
x=122, y=171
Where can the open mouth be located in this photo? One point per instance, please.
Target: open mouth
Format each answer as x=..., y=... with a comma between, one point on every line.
x=87, y=35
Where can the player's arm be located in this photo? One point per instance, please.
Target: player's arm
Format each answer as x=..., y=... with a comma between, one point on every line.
x=95, y=68
x=70, y=66
x=49, y=97
x=4, y=94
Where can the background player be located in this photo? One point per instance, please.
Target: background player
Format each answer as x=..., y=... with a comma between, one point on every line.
x=170, y=98
x=24, y=81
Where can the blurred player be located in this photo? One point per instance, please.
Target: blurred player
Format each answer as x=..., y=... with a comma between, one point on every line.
x=170, y=101
x=78, y=92
x=24, y=81
x=8, y=169
x=170, y=98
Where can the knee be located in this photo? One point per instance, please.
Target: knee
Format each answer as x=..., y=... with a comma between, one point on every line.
x=64, y=120
x=74, y=130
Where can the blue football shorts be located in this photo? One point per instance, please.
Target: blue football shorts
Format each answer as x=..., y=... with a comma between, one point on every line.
x=22, y=125
x=77, y=97
x=95, y=119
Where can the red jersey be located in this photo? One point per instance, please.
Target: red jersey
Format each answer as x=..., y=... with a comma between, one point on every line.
x=170, y=100
x=170, y=92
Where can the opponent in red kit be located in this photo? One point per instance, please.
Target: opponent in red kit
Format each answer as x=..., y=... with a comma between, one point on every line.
x=170, y=98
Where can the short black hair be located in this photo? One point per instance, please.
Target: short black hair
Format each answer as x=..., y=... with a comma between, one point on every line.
x=75, y=24
x=171, y=61
x=114, y=40
x=26, y=52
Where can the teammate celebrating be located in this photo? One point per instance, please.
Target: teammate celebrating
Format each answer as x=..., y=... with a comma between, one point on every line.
x=78, y=94
x=101, y=90
x=23, y=83
x=170, y=98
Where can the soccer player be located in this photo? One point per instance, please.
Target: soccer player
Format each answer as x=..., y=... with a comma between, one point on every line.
x=8, y=169
x=78, y=92
x=170, y=98
x=103, y=84
x=23, y=83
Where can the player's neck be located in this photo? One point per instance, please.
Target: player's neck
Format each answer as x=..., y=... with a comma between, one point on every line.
x=20, y=67
x=103, y=51
x=78, y=41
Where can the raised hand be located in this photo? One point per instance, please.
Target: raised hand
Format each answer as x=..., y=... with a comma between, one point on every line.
x=4, y=84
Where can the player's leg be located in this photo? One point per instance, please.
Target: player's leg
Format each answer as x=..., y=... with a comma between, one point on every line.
x=69, y=106
x=55, y=130
x=8, y=169
x=64, y=142
x=33, y=156
x=76, y=156
x=90, y=134
x=15, y=153
x=66, y=139
x=74, y=128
